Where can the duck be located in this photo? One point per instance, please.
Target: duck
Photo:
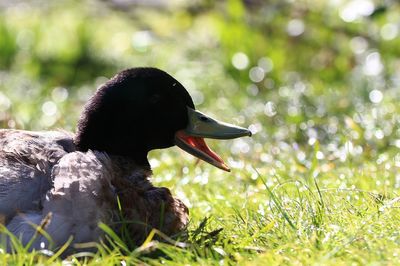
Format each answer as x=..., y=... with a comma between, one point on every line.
x=58, y=186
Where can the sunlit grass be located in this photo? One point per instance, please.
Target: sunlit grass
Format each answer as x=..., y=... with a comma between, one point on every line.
x=297, y=217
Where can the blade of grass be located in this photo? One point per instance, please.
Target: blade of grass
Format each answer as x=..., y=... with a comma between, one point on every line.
x=61, y=250
x=116, y=239
x=277, y=202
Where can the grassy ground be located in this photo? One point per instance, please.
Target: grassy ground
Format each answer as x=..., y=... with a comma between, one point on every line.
x=335, y=214
x=317, y=184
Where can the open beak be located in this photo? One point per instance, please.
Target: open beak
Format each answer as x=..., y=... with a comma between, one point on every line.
x=202, y=126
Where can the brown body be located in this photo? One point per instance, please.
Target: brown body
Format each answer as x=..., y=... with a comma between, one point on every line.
x=41, y=173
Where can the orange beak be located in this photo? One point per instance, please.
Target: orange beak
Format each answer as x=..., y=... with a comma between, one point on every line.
x=202, y=126
x=198, y=148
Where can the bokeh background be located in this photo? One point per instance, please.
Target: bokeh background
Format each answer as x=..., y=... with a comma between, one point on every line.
x=294, y=71
x=316, y=81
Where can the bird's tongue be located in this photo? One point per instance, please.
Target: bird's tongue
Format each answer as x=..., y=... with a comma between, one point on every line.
x=198, y=147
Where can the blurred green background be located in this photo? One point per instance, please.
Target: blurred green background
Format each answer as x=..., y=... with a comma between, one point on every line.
x=314, y=80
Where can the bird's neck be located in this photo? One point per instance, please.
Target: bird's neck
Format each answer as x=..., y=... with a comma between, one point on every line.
x=133, y=153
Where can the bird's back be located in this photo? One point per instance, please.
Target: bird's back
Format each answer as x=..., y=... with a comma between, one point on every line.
x=26, y=162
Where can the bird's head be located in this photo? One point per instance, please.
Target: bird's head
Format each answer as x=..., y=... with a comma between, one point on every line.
x=142, y=109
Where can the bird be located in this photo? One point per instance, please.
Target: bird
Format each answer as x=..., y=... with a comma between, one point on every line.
x=57, y=184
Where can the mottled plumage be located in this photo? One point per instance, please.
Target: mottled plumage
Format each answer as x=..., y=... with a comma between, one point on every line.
x=27, y=159
x=79, y=189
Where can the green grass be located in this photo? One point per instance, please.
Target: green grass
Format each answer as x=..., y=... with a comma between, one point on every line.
x=297, y=221
x=319, y=182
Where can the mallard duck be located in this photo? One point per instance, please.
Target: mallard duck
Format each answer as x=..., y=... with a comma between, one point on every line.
x=68, y=183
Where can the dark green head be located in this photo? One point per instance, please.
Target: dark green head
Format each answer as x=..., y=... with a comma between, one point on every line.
x=142, y=109
x=138, y=110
